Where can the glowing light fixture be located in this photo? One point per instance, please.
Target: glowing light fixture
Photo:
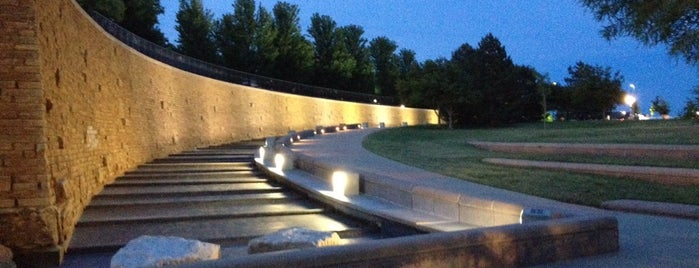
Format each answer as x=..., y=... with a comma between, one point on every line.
x=279, y=160
x=344, y=183
x=629, y=100
x=261, y=153
x=283, y=161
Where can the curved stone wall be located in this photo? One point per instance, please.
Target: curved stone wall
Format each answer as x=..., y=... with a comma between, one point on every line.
x=84, y=108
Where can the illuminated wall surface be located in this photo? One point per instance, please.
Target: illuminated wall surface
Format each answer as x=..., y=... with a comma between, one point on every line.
x=78, y=108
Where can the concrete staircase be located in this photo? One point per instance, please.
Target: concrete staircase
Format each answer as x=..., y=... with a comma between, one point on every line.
x=213, y=194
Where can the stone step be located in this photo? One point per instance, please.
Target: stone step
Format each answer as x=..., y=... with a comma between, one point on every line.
x=215, y=152
x=215, y=195
x=183, y=181
x=192, y=167
x=179, y=175
x=191, y=211
x=247, y=198
x=238, y=145
x=179, y=190
x=223, y=158
x=226, y=232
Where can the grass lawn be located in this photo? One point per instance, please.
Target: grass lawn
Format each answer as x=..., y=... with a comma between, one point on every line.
x=446, y=152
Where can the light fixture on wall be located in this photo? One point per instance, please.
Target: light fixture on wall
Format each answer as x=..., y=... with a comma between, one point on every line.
x=345, y=183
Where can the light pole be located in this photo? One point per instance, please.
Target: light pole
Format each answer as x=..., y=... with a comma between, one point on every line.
x=630, y=100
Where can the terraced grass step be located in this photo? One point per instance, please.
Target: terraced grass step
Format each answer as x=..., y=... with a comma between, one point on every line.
x=191, y=211
x=245, y=198
x=226, y=232
x=179, y=190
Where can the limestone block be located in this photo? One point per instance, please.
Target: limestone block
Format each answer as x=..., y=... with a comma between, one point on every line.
x=160, y=251
x=293, y=238
x=6, y=257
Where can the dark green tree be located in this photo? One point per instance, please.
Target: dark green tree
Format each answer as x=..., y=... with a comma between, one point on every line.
x=440, y=90
x=333, y=64
x=235, y=34
x=691, y=107
x=660, y=105
x=264, y=51
x=502, y=92
x=560, y=100
x=674, y=23
x=409, y=70
x=113, y=9
x=194, y=26
x=295, y=59
x=464, y=71
x=141, y=18
x=356, y=45
x=594, y=89
x=382, y=55
x=524, y=100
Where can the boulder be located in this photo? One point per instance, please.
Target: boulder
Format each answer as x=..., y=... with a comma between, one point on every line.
x=160, y=251
x=293, y=238
x=6, y=257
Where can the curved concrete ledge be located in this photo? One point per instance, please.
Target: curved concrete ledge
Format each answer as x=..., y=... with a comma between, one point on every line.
x=672, y=176
x=622, y=150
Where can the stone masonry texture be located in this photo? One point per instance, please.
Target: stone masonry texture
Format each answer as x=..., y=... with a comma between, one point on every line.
x=78, y=109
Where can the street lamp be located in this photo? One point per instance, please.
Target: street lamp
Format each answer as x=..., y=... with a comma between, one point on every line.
x=630, y=100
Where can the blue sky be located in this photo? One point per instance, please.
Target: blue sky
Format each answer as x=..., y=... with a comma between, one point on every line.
x=549, y=35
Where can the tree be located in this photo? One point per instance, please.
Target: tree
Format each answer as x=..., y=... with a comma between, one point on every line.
x=141, y=18
x=691, y=107
x=494, y=77
x=496, y=91
x=295, y=59
x=381, y=51
x=234, y=35
x=440, y=91
x=464, y=70
x=138, y=16
x=113, y=9
x=409, y=70
x=264, y=51
x=362, y=80
x=333, y=63
x=595, y=90
x=675, y=23
x=194, y=26
x=660, y=105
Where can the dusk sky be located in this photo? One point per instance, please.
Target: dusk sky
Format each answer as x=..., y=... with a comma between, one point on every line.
x=549, y=35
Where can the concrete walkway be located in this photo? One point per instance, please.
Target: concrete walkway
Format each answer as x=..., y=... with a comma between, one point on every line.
x=646, y=241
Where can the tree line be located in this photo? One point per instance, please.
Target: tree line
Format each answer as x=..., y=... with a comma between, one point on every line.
x=477, y=86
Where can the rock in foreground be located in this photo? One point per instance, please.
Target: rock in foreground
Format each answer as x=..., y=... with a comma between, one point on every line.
x=293, y=238
x=160, y=251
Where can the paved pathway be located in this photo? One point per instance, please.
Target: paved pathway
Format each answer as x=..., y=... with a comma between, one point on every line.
x=645, y=241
